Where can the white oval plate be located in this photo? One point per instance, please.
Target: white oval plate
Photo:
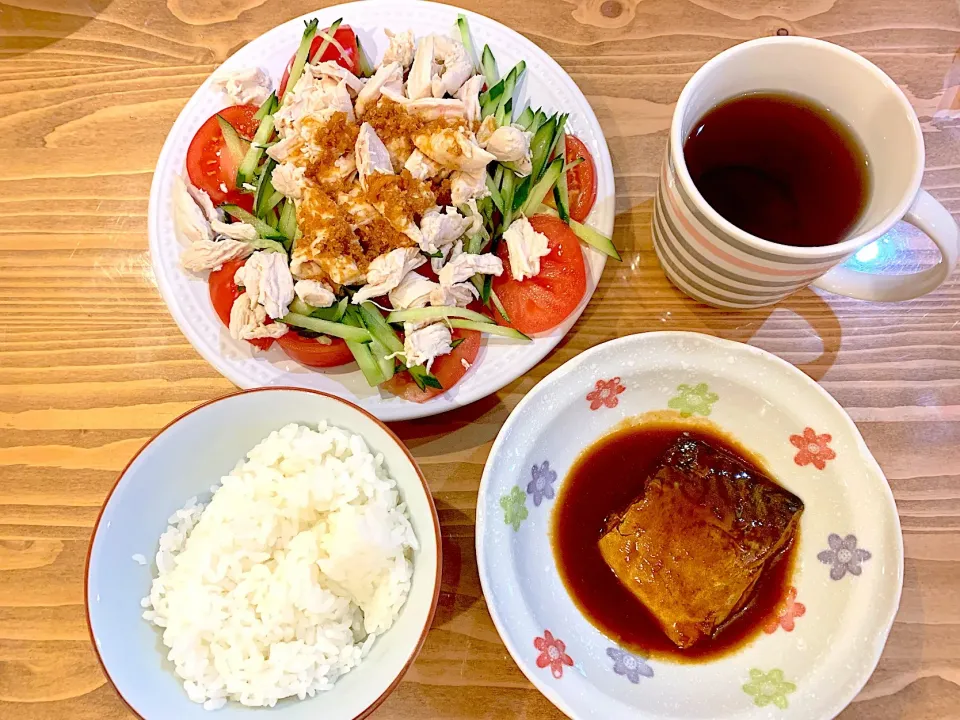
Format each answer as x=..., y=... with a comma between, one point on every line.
x=849, y=570
x=500, y=361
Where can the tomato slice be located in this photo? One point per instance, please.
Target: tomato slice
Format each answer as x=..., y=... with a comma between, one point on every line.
x=349, y=58
x=210, y=166
x=581, y=180
x=309, y=352
x=223, y=293
x=539, y=303
x=448, y=369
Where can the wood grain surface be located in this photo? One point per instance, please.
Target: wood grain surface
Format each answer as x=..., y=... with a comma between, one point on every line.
x=91, y=364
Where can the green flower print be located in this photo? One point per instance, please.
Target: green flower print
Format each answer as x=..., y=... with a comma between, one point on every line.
x=514, y=508
x=766, y=688
x=693, y=400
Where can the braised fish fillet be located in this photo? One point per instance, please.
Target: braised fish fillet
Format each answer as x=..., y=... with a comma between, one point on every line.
x=692, y=546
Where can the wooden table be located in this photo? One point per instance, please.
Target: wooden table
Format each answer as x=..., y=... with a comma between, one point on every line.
x=91, y=364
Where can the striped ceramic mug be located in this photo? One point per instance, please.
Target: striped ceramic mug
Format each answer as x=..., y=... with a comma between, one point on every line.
x=715, y=262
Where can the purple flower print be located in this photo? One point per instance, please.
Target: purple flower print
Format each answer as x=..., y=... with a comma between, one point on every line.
x=844, y=555
x=541, y=485
x=630, y=666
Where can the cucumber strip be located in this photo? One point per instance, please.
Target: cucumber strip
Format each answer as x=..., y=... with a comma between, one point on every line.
x=509, y=181
x=487, y=108
x=435, y=313
x=521, y=193
x=558, y=133
x=385, y=361
x=540, y=146
x=299, y=307
x=328, y=40
x=268, y=108
x=265, y=230
x=508, y=87
x=265, y=244
x=288, y=222
x=561, y=195
x=495, y=92
x=366, y=69
x=525, y=119
x=236, y=145
x=274, y=200
x=423, y=379
x=499, y=305
x=539, y=191
x=264, y=189
x=498, y=175
x=595, y=238
x=325, y=327
x=362, y=353
x=467, y=41
x=487, y=289
x=489, y=328
x=300, y=59
x=379, y=328
x=494, y=193
x=539, y=118
x=587, y=234
x=489, y=67
x=252, y=159
x=334, y=313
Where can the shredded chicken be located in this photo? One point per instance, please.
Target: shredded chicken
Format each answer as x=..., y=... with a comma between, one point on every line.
x=288, y=179
x=266, y=277
x=454, y=148
x=421, y=167
x=457, y=295
x=235, y=231
x=388, y=78
x=438, y=228
x=249, y=86
x=206, y=204
x=466, y=265
x=525, y=246
x=188, y=217
x=455, y=66
x=400, y=48
x=511, y=144
x=372, y=155
x=466, y=186
x=419, y=81
x=314, y=293
x=469, y=95
x=386, y=272
x=204, y=255
x=248, y=321
x=413, y=291
x=421, y=346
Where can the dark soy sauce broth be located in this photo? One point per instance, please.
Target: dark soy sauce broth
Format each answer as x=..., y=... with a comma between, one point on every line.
x=781, y=167
x=606, y=477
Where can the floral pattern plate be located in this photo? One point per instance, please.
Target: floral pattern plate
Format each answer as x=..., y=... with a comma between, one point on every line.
x=813, y=656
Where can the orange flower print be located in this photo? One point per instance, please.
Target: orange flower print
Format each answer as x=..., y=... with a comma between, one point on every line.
x=552, y=653
x=787, y=612
x=813, y=449
x=605, y=393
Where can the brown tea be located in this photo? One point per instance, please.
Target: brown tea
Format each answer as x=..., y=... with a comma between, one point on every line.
x=780, y=167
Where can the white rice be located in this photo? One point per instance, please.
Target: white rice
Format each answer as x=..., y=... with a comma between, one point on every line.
x=284, y=580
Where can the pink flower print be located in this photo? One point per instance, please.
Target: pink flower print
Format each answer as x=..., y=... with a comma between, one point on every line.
x=605, y=393
x=552, y=653
x=788, y=611
x=813, y=449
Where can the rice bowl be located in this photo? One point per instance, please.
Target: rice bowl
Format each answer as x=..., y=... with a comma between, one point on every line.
x=285, y=579
x=380, y=590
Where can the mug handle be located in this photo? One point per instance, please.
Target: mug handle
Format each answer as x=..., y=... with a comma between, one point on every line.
x=935, y=221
